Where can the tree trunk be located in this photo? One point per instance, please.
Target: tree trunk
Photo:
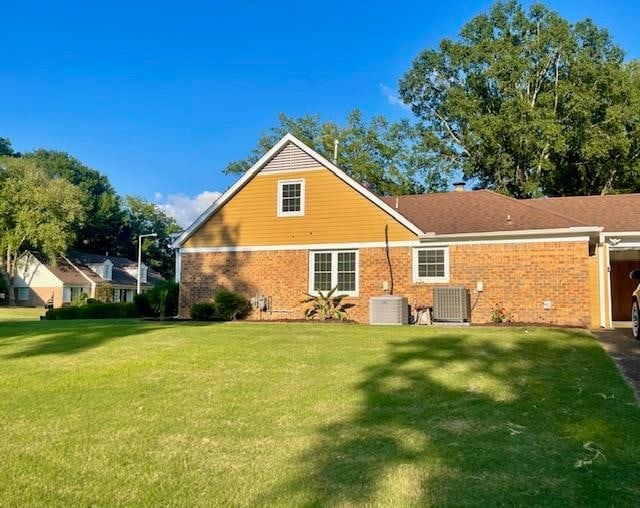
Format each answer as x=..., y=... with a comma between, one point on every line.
x=8, y=274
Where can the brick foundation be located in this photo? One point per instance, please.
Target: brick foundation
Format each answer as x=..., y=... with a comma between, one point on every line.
x=518, y=277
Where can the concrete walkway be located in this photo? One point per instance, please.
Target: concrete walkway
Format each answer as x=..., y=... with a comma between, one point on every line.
x=625, y=351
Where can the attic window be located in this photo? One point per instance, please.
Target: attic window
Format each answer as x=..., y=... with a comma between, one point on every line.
x=290, y=198
x=107, y=270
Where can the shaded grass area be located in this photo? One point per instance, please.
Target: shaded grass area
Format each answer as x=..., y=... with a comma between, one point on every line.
x=131, y=412
x=20, y=313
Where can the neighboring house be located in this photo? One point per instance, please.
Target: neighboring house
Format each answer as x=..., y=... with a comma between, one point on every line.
x=39, y=281
x=295, y=223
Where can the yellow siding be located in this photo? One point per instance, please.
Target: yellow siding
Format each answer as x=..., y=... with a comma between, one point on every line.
x=334, y=213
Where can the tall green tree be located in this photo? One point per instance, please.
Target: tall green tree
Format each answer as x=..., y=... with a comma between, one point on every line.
x=142, y=217
x=104, y=220
x=36, y=211
x=5, y=147
x=530, y=104
x=389, y=156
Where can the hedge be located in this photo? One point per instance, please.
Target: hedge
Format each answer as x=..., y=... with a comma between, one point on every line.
x=94, y=311
x=226, y=306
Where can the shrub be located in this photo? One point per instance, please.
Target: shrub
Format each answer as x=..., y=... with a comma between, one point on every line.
x=104, y=293
x=163, y=298
x=326, y=306
x=202, y=311
x=62, y=313
x=91, y=301
x=143, y=307
x=499, y=314
x=94, y=311
x=80, y=300
x=229, y=305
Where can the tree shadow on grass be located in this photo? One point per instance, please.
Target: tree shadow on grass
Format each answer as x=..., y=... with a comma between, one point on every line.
x=69, y=337
x=461, y=420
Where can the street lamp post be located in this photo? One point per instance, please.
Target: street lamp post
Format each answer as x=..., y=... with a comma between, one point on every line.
x=140, y=258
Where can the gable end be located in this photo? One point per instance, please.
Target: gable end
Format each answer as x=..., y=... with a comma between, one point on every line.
x=290, y=158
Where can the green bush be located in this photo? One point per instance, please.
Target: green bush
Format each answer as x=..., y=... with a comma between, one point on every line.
x=143, y=307
x=163, y=298
x=80, y=300
x=229, y=305
x=202, y=311
x=94, y=311
x=91, y=301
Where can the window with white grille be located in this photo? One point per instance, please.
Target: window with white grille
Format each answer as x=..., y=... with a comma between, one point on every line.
x=431, y=264
x=329, y=269
x=290, y=198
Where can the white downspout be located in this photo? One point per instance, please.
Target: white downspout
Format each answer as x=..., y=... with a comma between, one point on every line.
x=601, y=284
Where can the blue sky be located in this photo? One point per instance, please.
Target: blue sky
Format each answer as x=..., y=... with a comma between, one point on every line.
x=160, y=95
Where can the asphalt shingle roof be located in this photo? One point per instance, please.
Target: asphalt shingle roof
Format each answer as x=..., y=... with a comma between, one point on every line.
x=68, y=269
x=477, y=212
x=614, y=212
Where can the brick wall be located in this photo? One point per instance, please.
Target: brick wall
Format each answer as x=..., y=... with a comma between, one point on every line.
x=518, y=277
x=38, y=297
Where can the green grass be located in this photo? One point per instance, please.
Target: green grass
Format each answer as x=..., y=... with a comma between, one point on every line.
x=20, y=313
x=140, y=413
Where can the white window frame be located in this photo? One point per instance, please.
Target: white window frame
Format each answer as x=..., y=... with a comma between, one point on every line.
x=107, y=270
x=334, y=270
x=431, y=280
x=22, y=292
x=281, y=184
x=66, y=294
x=143, y=273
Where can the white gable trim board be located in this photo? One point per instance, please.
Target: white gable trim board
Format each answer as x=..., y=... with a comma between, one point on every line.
x=265, y=159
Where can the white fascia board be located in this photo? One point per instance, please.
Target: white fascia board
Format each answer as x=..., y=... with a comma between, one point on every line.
x=519, y=234
x=307, y=246
x=253, y=170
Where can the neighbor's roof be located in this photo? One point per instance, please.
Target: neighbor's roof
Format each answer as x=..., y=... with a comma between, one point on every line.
x=73, y=269
x=614, y=212
x=63, y=270
x=119, y=276
x=478, y=212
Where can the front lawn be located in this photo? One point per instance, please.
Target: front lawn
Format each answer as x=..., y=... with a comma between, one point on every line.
x=128, y=412
x=20, y=313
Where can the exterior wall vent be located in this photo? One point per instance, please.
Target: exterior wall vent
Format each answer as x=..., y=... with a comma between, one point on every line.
x=451, y=304
x=388, y=310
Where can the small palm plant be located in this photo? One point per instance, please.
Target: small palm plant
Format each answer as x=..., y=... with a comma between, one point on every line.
x=327, y=306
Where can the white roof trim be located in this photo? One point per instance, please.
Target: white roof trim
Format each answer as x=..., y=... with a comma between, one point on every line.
x=554, y=232
x=251, y=172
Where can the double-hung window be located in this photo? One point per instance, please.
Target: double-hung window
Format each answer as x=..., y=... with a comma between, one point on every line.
x=290, y=198
x=329, y=269
x=431, y=264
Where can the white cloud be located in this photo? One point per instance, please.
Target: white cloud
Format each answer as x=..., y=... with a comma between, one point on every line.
x=391, y=96
x=185, y=209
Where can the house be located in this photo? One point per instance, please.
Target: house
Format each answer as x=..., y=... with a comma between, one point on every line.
x=38, y=281
x=295, y=223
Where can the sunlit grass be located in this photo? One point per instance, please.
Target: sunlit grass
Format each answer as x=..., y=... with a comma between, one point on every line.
x=20, y=313
x=127, y=412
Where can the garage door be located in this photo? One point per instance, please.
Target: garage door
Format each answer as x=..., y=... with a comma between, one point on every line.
x=621, y=288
